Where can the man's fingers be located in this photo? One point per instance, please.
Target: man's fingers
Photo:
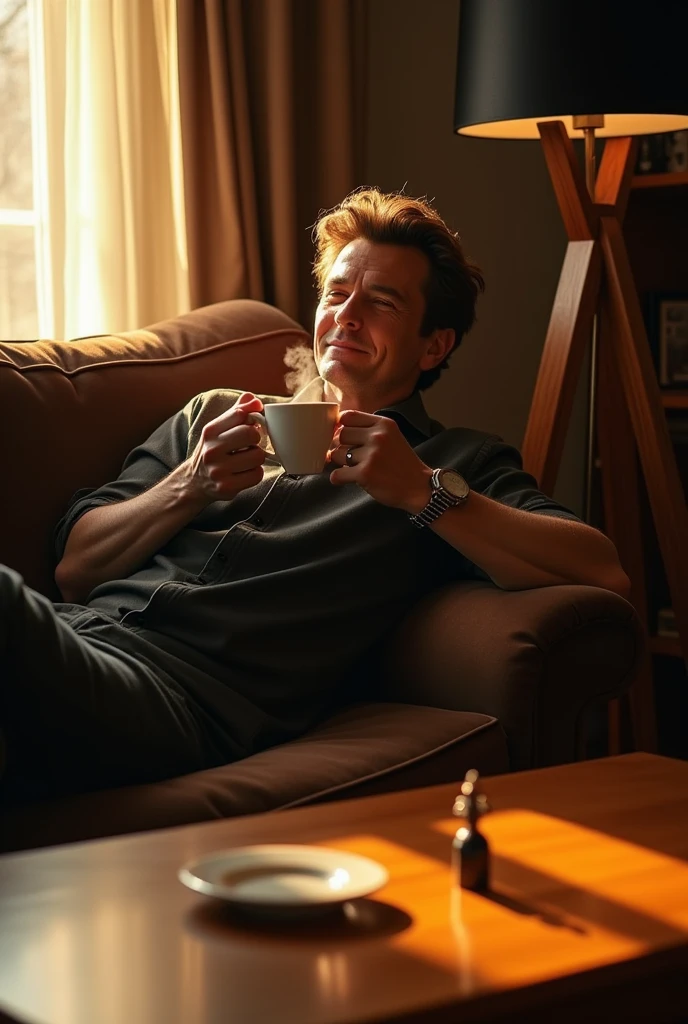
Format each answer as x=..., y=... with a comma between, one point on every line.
x=339, y=477
x=249, y=458
x=244, y=435
x=337, y=456
x=354, y=418
x=349, y=436
x=245, y=404
x=223, y=471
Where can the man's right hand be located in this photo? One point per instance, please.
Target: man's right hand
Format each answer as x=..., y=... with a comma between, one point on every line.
x=227, y=458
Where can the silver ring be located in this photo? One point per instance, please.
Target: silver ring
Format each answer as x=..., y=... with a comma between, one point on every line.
x=348, y=458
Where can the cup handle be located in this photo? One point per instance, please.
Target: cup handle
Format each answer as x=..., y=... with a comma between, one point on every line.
x=259, y=420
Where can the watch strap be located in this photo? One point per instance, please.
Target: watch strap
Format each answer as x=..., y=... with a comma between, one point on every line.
x=440, y=501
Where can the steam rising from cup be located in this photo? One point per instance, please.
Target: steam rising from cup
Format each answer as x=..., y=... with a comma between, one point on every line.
x=302, y=369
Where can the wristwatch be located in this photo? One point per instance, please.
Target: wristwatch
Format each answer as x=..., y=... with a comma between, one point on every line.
x=449, y=489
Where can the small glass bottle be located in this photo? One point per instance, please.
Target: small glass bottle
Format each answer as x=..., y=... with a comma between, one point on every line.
x=470, y=849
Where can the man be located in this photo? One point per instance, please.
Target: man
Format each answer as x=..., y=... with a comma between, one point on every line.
x=215, y=606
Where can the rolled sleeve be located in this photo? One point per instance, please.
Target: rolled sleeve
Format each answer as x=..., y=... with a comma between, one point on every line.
x=145, y=466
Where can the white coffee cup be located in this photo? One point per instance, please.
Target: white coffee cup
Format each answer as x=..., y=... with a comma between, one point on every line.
x=301, y=433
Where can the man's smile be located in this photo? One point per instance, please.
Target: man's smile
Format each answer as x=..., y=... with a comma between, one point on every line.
x=345, y=343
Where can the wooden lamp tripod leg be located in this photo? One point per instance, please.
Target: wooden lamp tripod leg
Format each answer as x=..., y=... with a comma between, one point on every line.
x=574, y=307
x=619, y=462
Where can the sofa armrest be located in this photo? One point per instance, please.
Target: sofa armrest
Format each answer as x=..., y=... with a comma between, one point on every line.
x=535, y=659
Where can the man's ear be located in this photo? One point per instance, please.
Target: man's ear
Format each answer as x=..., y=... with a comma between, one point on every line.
x=437, y=348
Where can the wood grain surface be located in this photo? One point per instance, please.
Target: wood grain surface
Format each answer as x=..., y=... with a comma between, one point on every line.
x=568, y=335
x=588, y=918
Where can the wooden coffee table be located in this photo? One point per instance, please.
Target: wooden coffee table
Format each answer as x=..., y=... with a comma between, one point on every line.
x=589, y=920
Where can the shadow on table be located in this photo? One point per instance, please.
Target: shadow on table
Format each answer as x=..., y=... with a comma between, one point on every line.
x=348, y=922
x=532, y=908
x=564, y=905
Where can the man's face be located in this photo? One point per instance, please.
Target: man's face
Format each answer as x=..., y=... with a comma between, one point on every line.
x=367, y=339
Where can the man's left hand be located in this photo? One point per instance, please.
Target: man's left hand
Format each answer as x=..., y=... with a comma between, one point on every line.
x=383, y=463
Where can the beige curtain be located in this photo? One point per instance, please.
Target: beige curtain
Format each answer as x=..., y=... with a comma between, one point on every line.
x=272, y=103
x=111, y=208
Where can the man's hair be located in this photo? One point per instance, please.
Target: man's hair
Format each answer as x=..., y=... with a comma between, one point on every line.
x=453, y=285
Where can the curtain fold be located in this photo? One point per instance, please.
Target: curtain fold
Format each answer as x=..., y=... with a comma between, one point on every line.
x=112, y=222
x=272, y=97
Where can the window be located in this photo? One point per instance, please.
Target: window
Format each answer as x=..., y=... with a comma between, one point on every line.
x=18, y=290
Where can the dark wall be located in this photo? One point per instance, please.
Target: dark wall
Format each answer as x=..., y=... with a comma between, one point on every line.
x=497, y=195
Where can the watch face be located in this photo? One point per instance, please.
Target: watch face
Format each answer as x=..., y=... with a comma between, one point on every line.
x=454, y=483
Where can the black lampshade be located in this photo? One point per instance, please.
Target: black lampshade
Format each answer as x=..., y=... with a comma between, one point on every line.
x=523, y=61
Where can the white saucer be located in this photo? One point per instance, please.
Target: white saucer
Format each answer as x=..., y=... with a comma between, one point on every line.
x=282, y=876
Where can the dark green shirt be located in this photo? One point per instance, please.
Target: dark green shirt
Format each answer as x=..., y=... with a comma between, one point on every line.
x=260, y=608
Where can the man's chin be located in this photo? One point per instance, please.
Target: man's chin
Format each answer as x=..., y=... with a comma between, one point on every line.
x=336, y=374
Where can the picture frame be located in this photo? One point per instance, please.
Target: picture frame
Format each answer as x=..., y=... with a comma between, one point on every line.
x=668, y=333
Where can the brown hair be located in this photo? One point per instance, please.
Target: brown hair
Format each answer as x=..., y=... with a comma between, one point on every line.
x=391, y=218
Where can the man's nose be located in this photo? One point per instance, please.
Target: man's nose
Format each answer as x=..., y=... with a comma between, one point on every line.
x=348, y=314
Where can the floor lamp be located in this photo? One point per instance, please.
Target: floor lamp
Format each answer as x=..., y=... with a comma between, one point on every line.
x=563, y=69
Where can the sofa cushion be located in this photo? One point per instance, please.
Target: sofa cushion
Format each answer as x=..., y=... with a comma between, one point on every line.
x=365, y=749
x=70, y=411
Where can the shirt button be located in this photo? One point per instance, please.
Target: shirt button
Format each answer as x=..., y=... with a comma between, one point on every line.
x=221, y=556
x=257, y=521
x=136, y=619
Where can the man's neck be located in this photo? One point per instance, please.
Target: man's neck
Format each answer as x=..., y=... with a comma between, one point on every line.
x=357, y=400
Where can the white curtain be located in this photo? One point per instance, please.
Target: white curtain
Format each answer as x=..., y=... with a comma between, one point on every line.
x=109, y=186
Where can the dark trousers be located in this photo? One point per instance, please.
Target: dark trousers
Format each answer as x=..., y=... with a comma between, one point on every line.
x=78, y=712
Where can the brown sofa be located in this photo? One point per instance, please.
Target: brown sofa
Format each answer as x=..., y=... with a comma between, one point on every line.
x=476, y=677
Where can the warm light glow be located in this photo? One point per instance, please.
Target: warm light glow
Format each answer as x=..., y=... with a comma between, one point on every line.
x=332, y=977
x=588, y=860
x=614, y=125
x=463, y=947
x=107, y=163
x=339, y=879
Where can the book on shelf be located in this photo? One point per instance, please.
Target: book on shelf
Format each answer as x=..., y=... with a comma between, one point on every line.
x=666, y=622
x=662, y=154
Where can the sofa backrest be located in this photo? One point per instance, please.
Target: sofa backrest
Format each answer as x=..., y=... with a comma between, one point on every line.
x=70, y=411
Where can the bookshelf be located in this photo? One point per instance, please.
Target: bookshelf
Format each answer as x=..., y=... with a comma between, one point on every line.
x=675, y=399
x=660, y=180
x=656, y=233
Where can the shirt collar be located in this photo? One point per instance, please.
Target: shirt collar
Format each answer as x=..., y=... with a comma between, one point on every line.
x=411, y=409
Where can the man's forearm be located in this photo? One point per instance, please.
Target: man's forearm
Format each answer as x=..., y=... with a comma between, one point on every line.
x=520, y=549
x=113, y=541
